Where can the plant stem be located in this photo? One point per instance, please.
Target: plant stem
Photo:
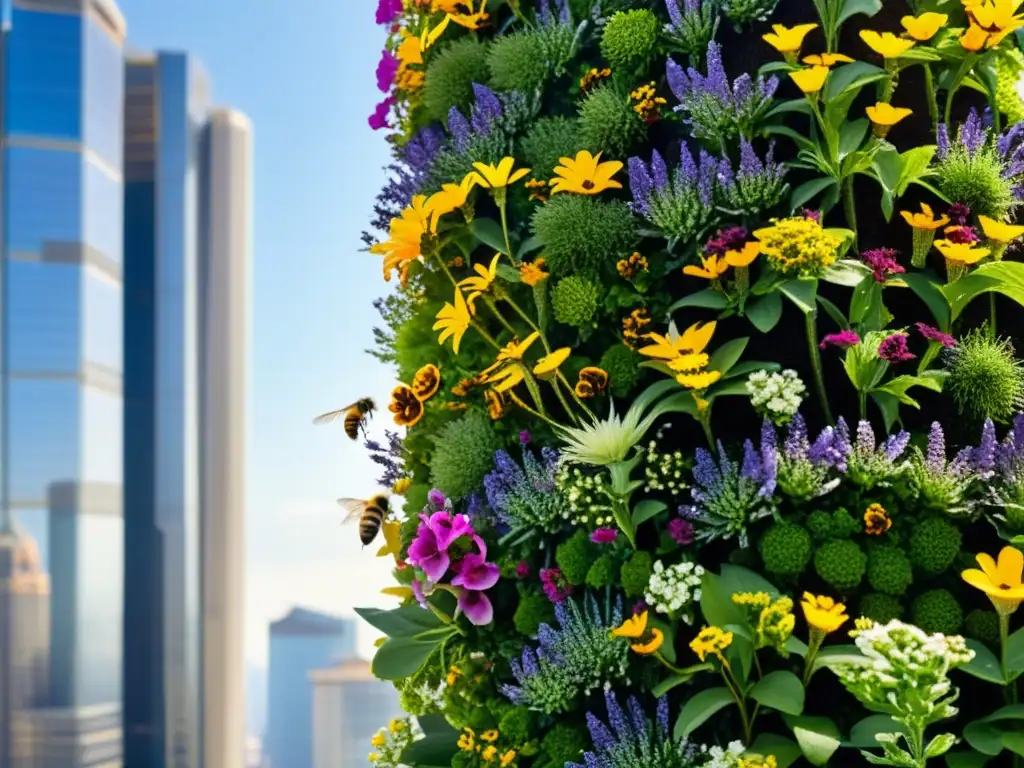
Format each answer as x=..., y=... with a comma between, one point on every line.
x=704, y=417
x=734, y=687
x=992, y=313
x=819, y=379
x=502, y=205
x=812, y=651
x=529, y=321
x=850, y=207
x=572, y=391
x=933, y=102
x=862, y=401
x=487, y=337
x=1004, y=632
x=501, y=319
x=533, y=412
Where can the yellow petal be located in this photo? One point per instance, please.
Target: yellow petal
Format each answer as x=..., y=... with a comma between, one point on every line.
x=696, y=337
x=402, y=592
x=988, y=565
x=810, y=80
x=1010, y=566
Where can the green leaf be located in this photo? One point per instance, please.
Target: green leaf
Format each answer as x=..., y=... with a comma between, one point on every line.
x=793, y=105
x=435, y=725
x=530, y=245
x=863, y=733
x=838, y=654
x=889, y=406
x=400, y=657
x=716, y=602
x=898, y=387
x=647, y=509
x=1005, y=277
x=834, y=312
x=818, y=737
x=699, y=708
x=785, y=751
x=848, y=273
x=866, y=296
x=1015, y=652
x=765, y=312
x=919, y=54
x=432, y=750
x=914, y=165
x=930, y=292
x=673, y=681
x=809, y=190
x=509, y=274
x=797, y=646
x=707, y=298
x=436, y=635
x=488, y=232
x=888, y=167
x=970, y=759
x=984, y=737
x=852, y=134
x=801, y=292
x=781, y=690
x=727, y=355
x=984, y=665
x=940, y=745
x=852, y=76
x=736, y=578
x=853, y=7
x=406, y=621
x=749, y=366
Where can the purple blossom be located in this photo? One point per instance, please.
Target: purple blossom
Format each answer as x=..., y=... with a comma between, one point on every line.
x=894, y=349
x=843, y=339
x=883, y=263
x=639, y=607
x=438, y=499
x=895, y=445
x=959, y=213
x=524, y=438
x=659, y=171
x=728, y=239
x=942, y=142
x=934, y=334
x=459, y=128
x=797, y=445
x=674, y=14
x=379, y=119
x=680, y=530
x=523, y=569
x=475, y=573
x=392, y=458
x=555, y=586
x=965, y=235
x=418, y=592
x=972, y=134
x=388, y=11
x=983, y=458
x=604, y=536
x=427, y=555
x=814, y=216
x=386, y=70
x=641, y=185
x=486, y=110
x=936, y=456
x=476, y=606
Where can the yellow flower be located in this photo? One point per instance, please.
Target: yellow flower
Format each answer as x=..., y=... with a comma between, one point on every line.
x=401, y=486
x=378, y=740
x=495, y=402
x=381, y=640
x=471, y=20
x=886, y=114
x=924, y=27
x=785, y=40
x=698, y=379
x=925, y=219
x=405, y=236
x=450, y=197
x=823, y=613
x=960, y=253
x=515, y=349
x=876, y=520
x=533, y=272
x=479, y=284
x=409, y=52
x=973, y=39
x=392, y=539
x=744, y=257
x=490, y=736
x=999, y=232
x=810, y=80
x=711, y=641
x=648, y=640
x=797, y=246
x=407, y=408
x=498, y=176
x=591, y=383
x=758, y=761
x=507, y=758
x=862, y=624
x=886, y=44
x=996, y=18
x=467, y=740
x=693, y=339
x=506, y=372
x=547, y=366
x=826, y=59
x=538, y=190
x=585, y=175
x=712, y=268
x=489, y=753
x=426, y=382
x=1001, y=580
x=373, y=757
x=430, y=36
x=396, y=725
x=453, y=320
x=633, y=627
x=650, y=643
x=454, y=673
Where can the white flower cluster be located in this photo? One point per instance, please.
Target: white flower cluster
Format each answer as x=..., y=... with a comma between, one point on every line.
x=776, y=395
x=723, y=758
x=586, y=497
x=663, y=471
x=674, y=590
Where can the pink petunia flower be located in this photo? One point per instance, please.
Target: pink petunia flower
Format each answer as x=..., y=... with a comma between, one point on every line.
x=474, y=572
x=477, y=607
x=604, y=536
x=843, y=339
x=934, y=334
x=447, y=527
x=386, y=70
x=427, y=555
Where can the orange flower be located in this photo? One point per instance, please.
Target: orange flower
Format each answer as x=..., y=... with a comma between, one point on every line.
x=407, y=408
x=426, y=381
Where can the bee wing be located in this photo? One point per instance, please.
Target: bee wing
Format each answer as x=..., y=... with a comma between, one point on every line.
x=327, y=418
x=353, y=509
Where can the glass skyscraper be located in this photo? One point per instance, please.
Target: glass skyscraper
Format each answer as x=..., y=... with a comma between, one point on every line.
x=60, y=337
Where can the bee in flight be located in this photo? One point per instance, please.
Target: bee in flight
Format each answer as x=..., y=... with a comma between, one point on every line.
x=371, y=514
x=356, y=416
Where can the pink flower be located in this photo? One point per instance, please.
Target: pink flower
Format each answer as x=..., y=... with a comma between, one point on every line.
x=894, y=349
x=604, y=536
x=447, y=528
x=843, y=339
x=883, y=263
x=934, y=334
x=524, y=437
x=523, y=570
x=639, y=607
x=388, y=10
x=426, y=555
x=379, y=119
x=556, y=587
x=962, y=235
x=681, y=530
x=386, y=70
x=812, y=215
x=437, y=498
x=474, y=572
x=477, y=607
x=417, y=591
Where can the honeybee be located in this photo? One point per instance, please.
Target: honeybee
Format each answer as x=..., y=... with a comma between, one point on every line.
x=356, y=416
x=371, y=514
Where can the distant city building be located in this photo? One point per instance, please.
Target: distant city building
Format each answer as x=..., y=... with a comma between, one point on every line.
x=349, y=706
x=301, y=642
x=61, y=126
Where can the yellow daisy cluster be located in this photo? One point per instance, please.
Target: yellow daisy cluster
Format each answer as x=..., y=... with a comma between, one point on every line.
x=648, y=103
x=484, y=745
x=711, y=641
x=771, y=619
x=684, y=354
x=628, y=268
x=798, y=246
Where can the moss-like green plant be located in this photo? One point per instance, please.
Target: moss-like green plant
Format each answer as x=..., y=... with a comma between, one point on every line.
x=623, y=368
x=582, y=235
x=841, y=563
x=574, y=301
x=984, y=626
x=985, y=378
x=636, y=572
x=934, y=545
x=938, y=611
x=451, y=74
x=975, y=178
x=880, y=608
x=574, y=557
x=547, y=142
x=608, y=123
x=518, y=62
x=629, y=39
x=533, y=610
x=786, y=549
x=889, y=570
x=464, y=454
x=1009, y=68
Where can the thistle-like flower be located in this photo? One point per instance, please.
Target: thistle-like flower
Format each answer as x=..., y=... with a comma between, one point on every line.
x=680, y=204
x=692, y=26
x=937, y=483
x=756, y=186
x=527, y=496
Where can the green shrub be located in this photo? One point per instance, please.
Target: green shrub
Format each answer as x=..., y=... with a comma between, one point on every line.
x=934, y=545
x=938, y=611
x=584, y=236
x=574, y=301
x=841, y=563
x=889, y=570
x=629, y=39
x=547, y=141
x=451, y=74
x=533, y=610
x=574, y=557
x=623, y=368
x=464, y=454
x=636, y=572
x=786, y=549
x=880, y=608
x=608, y=123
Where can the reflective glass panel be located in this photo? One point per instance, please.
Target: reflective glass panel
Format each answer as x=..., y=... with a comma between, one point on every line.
x=44, y=442
x=44, y=198
x=102, y=334
x=103, y=216
x=102, y=418
x=44, y=317
x=104, y=94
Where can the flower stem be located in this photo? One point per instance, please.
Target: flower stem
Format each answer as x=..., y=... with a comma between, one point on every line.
x=862, y=400
x=532, y=411
x=850, y=207
x=734, y=688
x=819, y=379
x=529, y=321
x=502, y=202
x=933, y=102
x=812, y=652
x=501, y=318
x=572, y=391
x=1004, y=632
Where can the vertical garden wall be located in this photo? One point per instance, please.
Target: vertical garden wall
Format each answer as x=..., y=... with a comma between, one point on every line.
x=708, y=451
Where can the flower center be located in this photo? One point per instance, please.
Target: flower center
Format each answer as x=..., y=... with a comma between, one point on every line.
x=1005, y=586
x=588, y=184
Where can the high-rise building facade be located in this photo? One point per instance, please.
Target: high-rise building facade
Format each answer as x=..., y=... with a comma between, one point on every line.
x=349, y=706
x=61, y=265
x=301, y=642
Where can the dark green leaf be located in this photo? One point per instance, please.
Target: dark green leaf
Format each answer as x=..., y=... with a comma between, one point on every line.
x=838, y=654
x=914, y=165
x=432, y=750
x=781, y=690
x=801, y=292
x=509, y=274
x=986, y=738
x=863, y=733
x=707, y=298
x=699, y=708
x=687, y=675
x=808, y=191
x=889, y=406
x=488, y=232
x=898, y=387
x=749, y=366
x=1015, y=652
x=736, y=578
x=853, y=7
x=984, y=665
x=797, y=646
x=764, y=312
x=785, y=751
x=436, y=635
x=818, y=737
x=716, y=602
x=852, y=76
x=852, y=134
x=969, y=759
x=647, y=509
x=401, y=657
x=435, y=725
x=1005, y=277
x=888, y=167
x=930, y=292
x=530, y=245
x=727, y=355
x=406, y=621
x=834, y=312
x=793, y=105
x=864, y=296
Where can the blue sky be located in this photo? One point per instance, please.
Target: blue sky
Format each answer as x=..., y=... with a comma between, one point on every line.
x=306, y=79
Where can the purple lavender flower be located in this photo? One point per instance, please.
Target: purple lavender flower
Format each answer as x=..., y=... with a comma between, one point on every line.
x=934, y=334
x=524, y=438
x=678, y=202
x=843, y=339
x=525, y=497
x=936, y=458
x=942, y=142
x=757, y=185
x=894, y=349
x=940, y=484
x=641, y=185
x=883, y=263
x=972, y=135
x=630, y=739
x=392, y=458
x=983, y=458
x=486, y=110
x=459, y=128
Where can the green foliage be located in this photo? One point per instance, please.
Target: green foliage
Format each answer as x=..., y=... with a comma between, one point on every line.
x=889, y=570
x=983, y=626
x=574, y=301
x=564, y=743
x=636, y=572
x=880, y=608
x=938, y=611
x=582, y=235
x=977, y=181
x=1009, y=68
x=934, y=545
x=547, y=141
x=841, y=563
x=838, y=524
x=515, y=725
x=464, y=454
x=451, y=74
x=608, y=123
x=533, y=610
x=623, y=368
x=786, y=549
x=603, y=572
x=985, y=377
x=518, y=61
x=574, y=557
x=629, y=39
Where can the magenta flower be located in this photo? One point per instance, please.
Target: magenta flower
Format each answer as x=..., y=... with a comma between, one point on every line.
x=959, y=213
x=425, y=554
x=894, y=349
x=447, y=528
x=437, y=498
x=524, y=437
x=639, y=607
x=388, y=10
x=417, y=591
x=964, y=235
x=843, y=339
x=604, y=536
x=386, y=70
x=379, y=119
x=523, y=570
x=556, y=587
x=477, y=607
x=681, y=530
x=934, y=334
x=812, y=215
x=474, y=572
x=883, y=263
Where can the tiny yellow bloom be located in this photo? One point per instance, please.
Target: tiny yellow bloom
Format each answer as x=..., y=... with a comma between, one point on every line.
x=876, y=520
x=381, y=640
x=744, y=257
x=999, y=232
x=507, y=758
x=498, y=176
x=453, y=320
x=401, y=486
x=392, y=539
x=490, y=736
x=1000, y=580
x=712, y=267
x=886, y=44
x=373, y=757
x=711, y=641
x=886, y=114
x=396, y=725
x=698, y=379
x=925, y=219
x=633, y=627
x=401, y=592
x=480, y=283
x=823, y=613
x=489, y=753
x=826, y=59
x=924, y=27
x=585, y=174
x=863, y=624
x=785, y=40
x=647, y=646
x=548, y=366
x=532, y=273
x=378, y=740
x=454, y=673
x=960, y=253
x=467, y=740
x=810, y=80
